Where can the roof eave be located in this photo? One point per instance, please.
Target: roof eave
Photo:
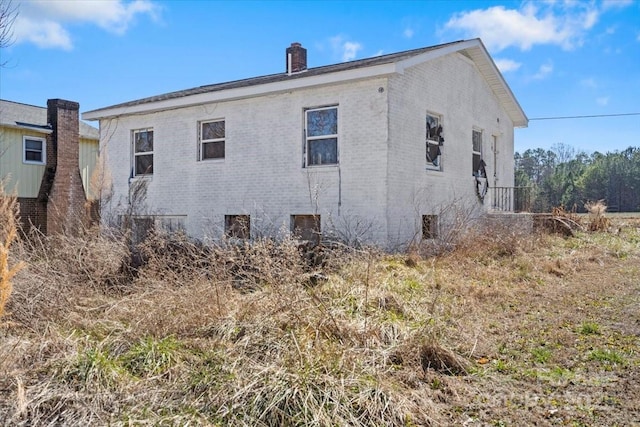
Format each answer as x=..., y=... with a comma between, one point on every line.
x=244, y=92
x=437, y=53
x=35, y=128
x=474, y=48
x=480, y=56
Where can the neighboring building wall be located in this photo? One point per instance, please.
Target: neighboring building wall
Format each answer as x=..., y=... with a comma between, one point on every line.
x=262, y=174
x=32, y=182
x=21, y=177
x=452, y=87
x=88, y=161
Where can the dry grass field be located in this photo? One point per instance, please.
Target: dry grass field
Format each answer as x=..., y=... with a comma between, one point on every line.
x=506, y=329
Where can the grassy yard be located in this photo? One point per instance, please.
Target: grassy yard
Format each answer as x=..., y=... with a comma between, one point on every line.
x=506, y=329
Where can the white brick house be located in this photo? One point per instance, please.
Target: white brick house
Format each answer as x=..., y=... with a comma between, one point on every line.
x=375, y=148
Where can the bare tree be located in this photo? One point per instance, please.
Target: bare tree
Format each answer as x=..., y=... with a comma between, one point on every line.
x=8, y=15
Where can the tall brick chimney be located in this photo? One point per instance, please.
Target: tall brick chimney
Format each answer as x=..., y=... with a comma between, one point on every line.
x=65, y=198
x=296, y=58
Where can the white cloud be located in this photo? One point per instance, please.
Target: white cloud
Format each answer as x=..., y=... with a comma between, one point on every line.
x=544, y=71
x=350, y=50
x=562, y=24
x=44, y=34
x=506, y=65
x=603, y=101
x=408, y=33
x=346, y=50
x=616, y=4
x=44, y=23
x=589, y=82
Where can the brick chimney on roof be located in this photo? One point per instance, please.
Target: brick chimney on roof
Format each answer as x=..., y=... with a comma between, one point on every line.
x=296, y=58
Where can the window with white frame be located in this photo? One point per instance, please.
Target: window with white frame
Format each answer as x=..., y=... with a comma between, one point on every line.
x=434, y=140
x=142, y=152
x=321, y=136
x=212, y=137
x=477, y=162
x=34, y=150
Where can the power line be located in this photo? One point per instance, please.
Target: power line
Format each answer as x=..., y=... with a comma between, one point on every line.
x=585, y=117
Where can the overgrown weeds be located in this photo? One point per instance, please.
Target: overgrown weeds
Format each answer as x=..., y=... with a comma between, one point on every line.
x=279, y=333
x=597, y=215
x=8, y=233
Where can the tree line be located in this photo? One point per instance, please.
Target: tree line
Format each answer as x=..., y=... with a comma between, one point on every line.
x=563, y=176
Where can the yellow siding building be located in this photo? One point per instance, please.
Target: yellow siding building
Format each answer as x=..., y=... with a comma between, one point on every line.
x=29, y=152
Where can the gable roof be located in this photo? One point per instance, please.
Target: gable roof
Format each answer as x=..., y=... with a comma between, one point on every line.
x=342, y=72
x=23, y=116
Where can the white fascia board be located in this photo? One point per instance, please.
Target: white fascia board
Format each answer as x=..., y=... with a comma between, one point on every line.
x=436, y=53
x=244, y=92
x=502, y=89
x=29, y=128
x=479, y=53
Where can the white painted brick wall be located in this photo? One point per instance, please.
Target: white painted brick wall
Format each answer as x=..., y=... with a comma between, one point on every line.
x=450, y=86
x=382, y=175
x=262, y=173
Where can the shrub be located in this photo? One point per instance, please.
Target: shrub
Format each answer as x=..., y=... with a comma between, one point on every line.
x=597, y=219
x=590, y=328
x=8, y=233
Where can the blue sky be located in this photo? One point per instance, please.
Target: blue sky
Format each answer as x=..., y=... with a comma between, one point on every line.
x=560, y=58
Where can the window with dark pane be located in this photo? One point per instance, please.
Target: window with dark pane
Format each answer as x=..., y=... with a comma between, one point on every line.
x=306, y=227
x=477, y=153
x=212, y=139
x=429, y=226
x=34, y=150
x=434, y=141
x=237, y=226
x=143, y=152
x=322, y=136
x=142, y=228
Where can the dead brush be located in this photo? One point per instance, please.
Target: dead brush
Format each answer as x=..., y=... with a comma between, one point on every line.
x=8, y=233
x=93, y=257
x=375, y=344
x=562, y=221
x=265, y=262
x=597, y=215
x=67, y=275
x=278, y=396
x=569, y=215
x=434, y=356
x=492, y=241
x=171, y=258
